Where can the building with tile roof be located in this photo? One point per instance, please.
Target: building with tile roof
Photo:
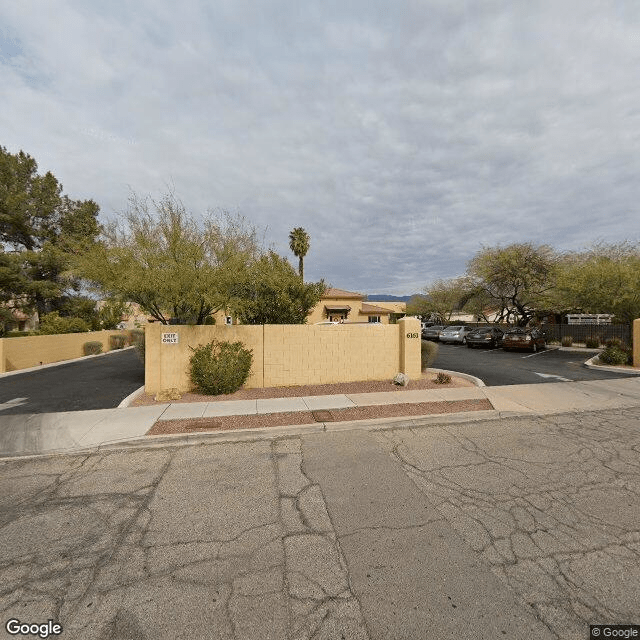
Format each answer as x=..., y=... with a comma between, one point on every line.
x=338, y=305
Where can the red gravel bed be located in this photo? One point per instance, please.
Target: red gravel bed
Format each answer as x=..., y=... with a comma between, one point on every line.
x=365, y=386
x=225, y=423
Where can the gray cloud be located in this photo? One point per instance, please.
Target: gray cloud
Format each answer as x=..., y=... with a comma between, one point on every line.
x=402, y=139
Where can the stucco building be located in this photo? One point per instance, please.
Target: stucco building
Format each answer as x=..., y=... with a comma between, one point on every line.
x=338, y=305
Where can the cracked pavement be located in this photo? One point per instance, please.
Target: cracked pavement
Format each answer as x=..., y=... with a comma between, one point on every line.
x=518, y=528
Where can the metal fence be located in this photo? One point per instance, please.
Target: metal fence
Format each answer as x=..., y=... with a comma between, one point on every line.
x=580, y=332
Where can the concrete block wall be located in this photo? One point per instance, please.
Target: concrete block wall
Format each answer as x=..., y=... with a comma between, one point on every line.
x=321, y=354
x=31, y=351
x=167, y=364
x=287, y=355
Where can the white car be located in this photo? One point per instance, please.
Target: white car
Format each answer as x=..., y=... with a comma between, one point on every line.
x=456, y=333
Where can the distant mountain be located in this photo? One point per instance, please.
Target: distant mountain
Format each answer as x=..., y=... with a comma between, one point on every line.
x=378, y=297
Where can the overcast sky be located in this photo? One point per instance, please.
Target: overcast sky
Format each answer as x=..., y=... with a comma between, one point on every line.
x=403, y=136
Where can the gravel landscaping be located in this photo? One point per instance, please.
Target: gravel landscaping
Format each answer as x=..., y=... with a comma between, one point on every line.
x=366, y=386
x=224, y=423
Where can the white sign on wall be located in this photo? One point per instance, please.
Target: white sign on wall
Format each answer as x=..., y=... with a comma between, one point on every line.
x=169, y=338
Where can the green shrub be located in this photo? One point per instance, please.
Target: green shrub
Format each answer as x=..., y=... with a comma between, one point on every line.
x=593, y=342
x=111, y=313
x=137, y=340
x=92, y=348
x=220, y=367
x=566, y=341
x=52, y=323
x=616, y=355
x=443, y=378
x=613, y=342
x=117, y=342
x=428, y=353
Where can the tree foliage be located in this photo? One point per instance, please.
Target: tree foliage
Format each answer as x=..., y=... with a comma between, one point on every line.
x=517, y=280
x=521, y=281
x=442, y=299
x=52, y=324
x=272, y=293
x=603, y=279
x=299, y=243
x=110, y=314
x=40, y=229
x=178, y=269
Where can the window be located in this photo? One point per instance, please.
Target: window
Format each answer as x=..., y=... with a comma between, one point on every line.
x=374, y=318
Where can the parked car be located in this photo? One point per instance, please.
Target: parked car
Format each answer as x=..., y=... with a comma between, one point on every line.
x=485, y=337
x=524, y=338
x=432, y=332
x=456, y=333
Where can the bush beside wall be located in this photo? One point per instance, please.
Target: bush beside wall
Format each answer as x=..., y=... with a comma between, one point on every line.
x=220, y=367
x=428, y=352
x=117, y=342
x=92, y=348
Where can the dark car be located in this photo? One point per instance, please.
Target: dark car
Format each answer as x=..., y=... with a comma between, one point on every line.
x=524, y=338
x=485, y=337
x=433, y=332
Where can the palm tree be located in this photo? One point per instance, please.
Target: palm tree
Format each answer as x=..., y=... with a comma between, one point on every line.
x=299, y=244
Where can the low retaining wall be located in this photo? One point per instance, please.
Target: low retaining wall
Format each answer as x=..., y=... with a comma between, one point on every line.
x=31, y=351
x=288, y=355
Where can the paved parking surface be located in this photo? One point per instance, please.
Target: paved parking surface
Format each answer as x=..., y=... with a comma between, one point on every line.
x=95, y=383
x=500, y=367
x=524, y=528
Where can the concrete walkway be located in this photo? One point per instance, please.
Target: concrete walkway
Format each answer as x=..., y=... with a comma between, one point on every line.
x=80, y=430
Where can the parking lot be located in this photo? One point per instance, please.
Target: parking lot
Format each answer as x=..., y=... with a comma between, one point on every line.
x=500, y=367
x=92, y=383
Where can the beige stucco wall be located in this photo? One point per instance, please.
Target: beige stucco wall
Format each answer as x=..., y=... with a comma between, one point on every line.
x=287, y=355
x=31, y=351
x=636, y=343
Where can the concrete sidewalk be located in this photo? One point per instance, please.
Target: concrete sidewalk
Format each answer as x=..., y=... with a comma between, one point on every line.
x=80, y=430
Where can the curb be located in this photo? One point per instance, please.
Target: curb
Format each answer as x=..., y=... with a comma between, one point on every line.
x=592, y=365
x=59, y=364
x=466, y=376
x=130, y=398
x=269, y=433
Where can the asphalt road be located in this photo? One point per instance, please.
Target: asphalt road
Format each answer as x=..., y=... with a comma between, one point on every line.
x=498, y=367
x=95, y=383
x=520, y=529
